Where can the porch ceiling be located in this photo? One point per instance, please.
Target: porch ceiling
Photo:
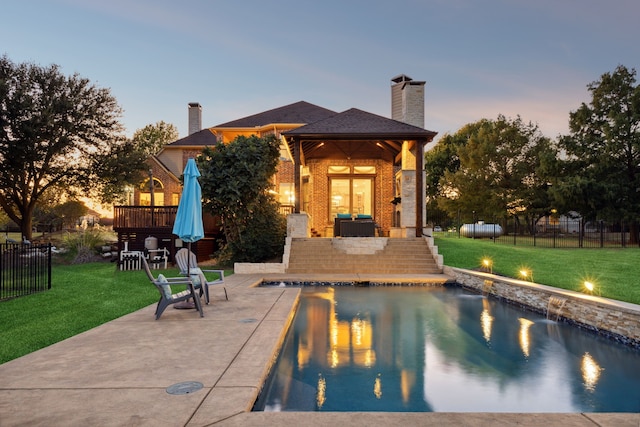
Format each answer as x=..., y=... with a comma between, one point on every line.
x=351, y=149
x=354, y=134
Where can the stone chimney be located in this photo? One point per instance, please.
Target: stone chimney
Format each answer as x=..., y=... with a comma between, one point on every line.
x=407, y=100
x=195, y=117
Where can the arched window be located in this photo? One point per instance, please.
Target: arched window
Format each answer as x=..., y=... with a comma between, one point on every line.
x=158, y=193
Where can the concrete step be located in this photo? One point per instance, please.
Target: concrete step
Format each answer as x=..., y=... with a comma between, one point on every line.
x=395, y=256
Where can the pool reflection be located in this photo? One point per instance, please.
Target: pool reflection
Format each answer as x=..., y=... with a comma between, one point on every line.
x=438, y=349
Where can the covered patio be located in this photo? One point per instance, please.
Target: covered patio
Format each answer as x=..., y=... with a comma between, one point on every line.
x=358, y=164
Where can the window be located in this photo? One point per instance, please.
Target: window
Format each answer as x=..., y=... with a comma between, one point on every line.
x=158, y=193
x=364, y=170
x=351, y=195
x=334, y=170
x=286, y=195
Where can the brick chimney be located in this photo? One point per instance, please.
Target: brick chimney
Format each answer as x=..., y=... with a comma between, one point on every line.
x=195, y=117
x=407, y=100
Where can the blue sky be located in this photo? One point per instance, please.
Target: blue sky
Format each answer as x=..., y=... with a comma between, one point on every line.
x=241, y=57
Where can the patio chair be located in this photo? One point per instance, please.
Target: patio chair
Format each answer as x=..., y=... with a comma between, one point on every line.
x=182, y=261
x=167, y=298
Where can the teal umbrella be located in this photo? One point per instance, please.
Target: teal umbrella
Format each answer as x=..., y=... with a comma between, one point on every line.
x=188, y=224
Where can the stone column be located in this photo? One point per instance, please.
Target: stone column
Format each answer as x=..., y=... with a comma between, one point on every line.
x=298, y=225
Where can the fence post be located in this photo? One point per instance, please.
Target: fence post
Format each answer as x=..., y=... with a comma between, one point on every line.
x=580, y=232
x=474, y=225
x=601, y=233
x=49, y=266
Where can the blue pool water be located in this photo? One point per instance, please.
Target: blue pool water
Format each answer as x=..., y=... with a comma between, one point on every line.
x=442, y=349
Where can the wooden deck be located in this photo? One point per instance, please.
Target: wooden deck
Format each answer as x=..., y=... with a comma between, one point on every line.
x=134, y=224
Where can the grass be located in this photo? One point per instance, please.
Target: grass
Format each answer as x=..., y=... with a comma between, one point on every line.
x=615, y=272
x=84, y=296
x=81, y=297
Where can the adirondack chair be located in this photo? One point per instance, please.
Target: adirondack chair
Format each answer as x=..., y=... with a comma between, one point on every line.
x=167, y=298
x=183, y=257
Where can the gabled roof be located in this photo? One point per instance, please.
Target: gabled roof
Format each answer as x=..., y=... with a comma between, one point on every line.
x=164, y=167
x=201, y=138
x=358, y=124
x=299, y=112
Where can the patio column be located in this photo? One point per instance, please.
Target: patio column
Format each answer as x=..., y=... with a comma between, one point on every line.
x=297, y=174
x=420, y=205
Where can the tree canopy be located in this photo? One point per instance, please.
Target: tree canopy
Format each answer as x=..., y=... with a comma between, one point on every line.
x=492, y=167
x=236, y=180
x=152, y=138
x=59, y=131
x=601, y=170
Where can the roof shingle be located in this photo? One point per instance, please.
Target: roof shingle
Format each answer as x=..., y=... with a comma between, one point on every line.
x=204, y=138
x=299, y=112
x=361, y=124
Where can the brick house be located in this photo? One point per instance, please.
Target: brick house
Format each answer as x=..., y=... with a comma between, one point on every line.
x=350, y=163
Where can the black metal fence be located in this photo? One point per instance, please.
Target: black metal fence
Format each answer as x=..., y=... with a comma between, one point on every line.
x=24, y=269
x=547, y=232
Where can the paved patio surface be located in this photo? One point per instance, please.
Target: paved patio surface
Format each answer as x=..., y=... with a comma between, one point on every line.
x=118, y=374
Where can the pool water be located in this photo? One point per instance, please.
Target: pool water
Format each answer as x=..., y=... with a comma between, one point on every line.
x=442, y=349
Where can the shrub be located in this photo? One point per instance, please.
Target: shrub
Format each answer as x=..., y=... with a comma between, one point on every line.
x=83, y=246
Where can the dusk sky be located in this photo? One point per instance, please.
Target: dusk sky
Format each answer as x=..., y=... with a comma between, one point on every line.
x=241, y=57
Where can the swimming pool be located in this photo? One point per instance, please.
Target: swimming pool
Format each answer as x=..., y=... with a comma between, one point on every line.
x=442, y=349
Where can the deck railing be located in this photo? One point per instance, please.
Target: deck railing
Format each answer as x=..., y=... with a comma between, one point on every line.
x=137, y=217
x=286, y=209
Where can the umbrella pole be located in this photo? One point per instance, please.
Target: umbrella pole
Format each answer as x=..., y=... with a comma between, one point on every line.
x=196, y=298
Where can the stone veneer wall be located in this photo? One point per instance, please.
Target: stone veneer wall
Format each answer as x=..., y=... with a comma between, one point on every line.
x=616, y=319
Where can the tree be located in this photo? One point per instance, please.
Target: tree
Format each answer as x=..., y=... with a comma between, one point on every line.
x=236, y=179
x=503, y=168
x=58, y=131
x=441, y=159
x=601, y=171
x=70, y=212
x=152, y=138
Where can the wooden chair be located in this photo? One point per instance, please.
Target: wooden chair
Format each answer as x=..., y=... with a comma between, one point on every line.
x=182, y=260
x=167, y=298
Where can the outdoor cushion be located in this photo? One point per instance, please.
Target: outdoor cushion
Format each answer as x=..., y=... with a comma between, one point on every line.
x=344, y=216
x=166, y=289
x=196, y=274
x=362, y=216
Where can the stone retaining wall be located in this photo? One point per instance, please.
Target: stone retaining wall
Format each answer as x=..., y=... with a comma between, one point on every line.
x=616, y=319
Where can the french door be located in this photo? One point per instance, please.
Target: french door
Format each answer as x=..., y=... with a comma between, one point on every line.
x=351, y=196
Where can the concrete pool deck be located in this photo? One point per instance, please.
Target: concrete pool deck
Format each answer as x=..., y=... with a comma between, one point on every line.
x=118, y=373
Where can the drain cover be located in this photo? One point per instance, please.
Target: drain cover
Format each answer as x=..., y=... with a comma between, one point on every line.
x=249, y=320
x=184, y=388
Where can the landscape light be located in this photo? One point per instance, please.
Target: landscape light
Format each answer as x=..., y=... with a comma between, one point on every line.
x=589, y=286
x=526, y=274
x=486, y=262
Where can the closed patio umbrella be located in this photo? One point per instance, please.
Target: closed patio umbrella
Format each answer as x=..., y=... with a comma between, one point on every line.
x=188, y=224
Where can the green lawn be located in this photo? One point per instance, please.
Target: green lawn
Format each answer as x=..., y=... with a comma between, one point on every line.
x=81, y=297
x=615, y=272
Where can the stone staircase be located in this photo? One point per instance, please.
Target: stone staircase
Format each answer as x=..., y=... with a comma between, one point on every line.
x=361, y=255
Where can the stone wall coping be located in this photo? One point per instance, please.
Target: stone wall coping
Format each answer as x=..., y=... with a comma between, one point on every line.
x=591, y=299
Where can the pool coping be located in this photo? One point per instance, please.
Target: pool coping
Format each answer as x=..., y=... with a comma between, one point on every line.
x=117, y=374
